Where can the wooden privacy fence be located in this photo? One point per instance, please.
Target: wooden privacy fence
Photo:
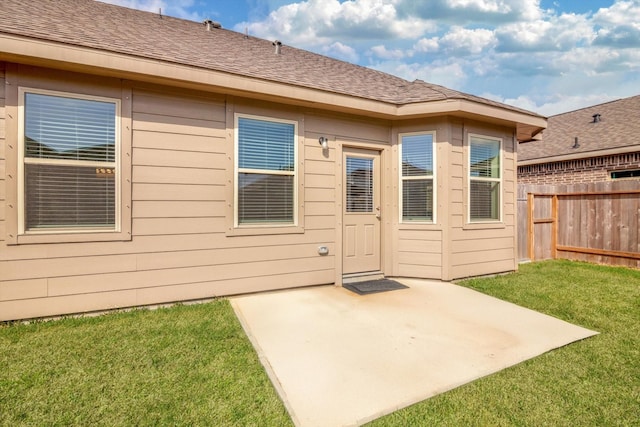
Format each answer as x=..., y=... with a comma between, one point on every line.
x=587, y=222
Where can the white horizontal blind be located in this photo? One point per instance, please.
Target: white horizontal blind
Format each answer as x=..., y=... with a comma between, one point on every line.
x=417, y=177
x=359, y=185
x=485, y=178
x=266, y=171
x=70, y=162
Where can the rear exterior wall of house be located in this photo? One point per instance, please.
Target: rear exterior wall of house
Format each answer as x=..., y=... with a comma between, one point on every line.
x=177, y=239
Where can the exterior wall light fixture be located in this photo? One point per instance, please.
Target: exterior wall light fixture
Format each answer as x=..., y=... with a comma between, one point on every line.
x=324, y=142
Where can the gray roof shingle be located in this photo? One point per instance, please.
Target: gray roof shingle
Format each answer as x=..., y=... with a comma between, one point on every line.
x=106, y=27
x=619, y=127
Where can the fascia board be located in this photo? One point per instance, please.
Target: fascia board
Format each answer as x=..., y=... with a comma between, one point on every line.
x=471, y=108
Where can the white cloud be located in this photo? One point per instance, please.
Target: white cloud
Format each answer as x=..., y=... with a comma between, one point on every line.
x=315, y=22
x=555, y=104
x=382, y=52
x=427, y=45
x=449, y=74
x=619, y=25
x=463, y=41
x=620, y=13
x=341, y=51
x=481, y=5
x=458, y=41
x=553, y=33
x=472, y=11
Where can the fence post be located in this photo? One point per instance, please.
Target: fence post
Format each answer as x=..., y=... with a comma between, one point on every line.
x=530, y=226
x=554, y=227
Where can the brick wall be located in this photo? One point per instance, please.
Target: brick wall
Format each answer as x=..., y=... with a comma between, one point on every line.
x=594, y=169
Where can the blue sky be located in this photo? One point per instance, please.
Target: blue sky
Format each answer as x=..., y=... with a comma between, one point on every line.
x=548, y=56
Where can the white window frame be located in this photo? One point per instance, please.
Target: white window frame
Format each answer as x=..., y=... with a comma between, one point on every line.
x=237, y=170
x=402, y=178
x=22, y=160
x=485, y=179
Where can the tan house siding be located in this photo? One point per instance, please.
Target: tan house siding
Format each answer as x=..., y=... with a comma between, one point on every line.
x=481, y=248
x=420, y=254
x=592, y=169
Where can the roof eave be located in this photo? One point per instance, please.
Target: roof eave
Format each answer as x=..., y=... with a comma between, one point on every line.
x=527, y=125
x=46, y=53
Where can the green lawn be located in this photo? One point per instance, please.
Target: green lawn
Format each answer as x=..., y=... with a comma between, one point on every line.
x=185, y=365
x=193, y=365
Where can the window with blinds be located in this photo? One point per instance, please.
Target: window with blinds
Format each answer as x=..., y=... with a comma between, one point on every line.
x=484, y=179
x=417, y=177
x=69, y=150
x=266, y=165
x=359, y=185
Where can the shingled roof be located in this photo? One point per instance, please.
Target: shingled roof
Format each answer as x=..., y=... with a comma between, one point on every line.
x=105, y=27
x=616, y=129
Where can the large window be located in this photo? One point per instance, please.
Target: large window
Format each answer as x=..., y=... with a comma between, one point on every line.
x=417, y=177
x=69, y=151
x=266, y=171
x=484, y=179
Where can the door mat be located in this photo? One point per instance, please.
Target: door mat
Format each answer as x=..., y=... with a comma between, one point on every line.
x=374, y=286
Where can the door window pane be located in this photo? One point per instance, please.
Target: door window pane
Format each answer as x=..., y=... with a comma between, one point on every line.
x=359, y=185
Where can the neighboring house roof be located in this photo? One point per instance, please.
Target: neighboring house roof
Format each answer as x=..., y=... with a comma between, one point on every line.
x=616, y=131
x=103, y=27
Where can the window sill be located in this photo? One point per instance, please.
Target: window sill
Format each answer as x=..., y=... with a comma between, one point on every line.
x=484, y=225
x=419, y=226
x=264, y=230
x=72, y=237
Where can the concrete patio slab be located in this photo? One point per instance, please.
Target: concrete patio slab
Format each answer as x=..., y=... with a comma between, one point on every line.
x=338, y=359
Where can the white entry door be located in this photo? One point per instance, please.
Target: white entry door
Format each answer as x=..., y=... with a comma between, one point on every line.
x=361, y=216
